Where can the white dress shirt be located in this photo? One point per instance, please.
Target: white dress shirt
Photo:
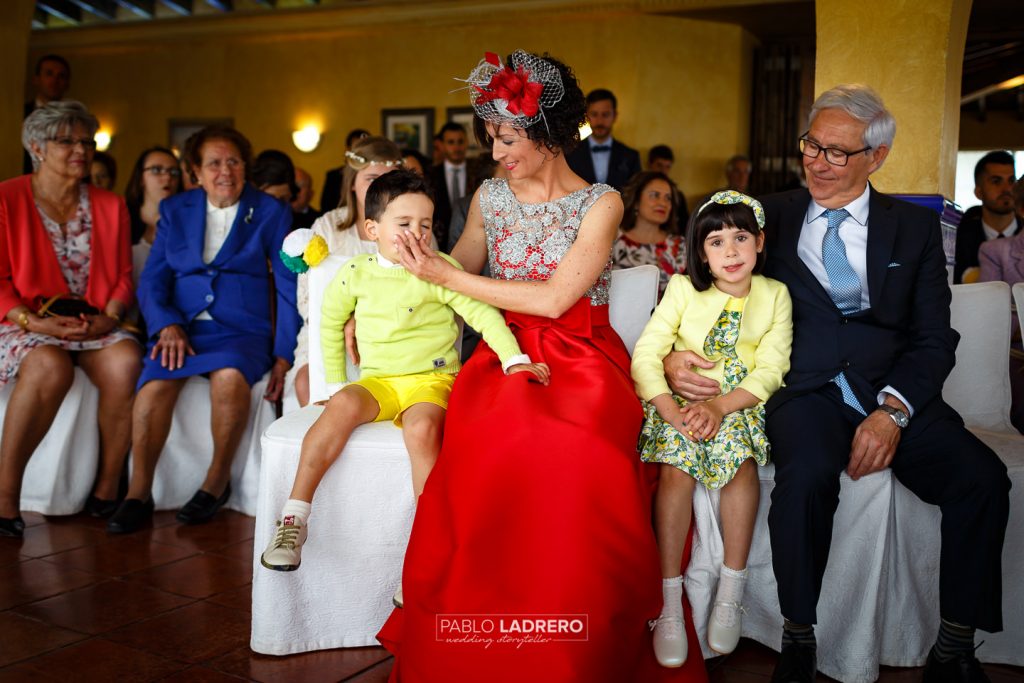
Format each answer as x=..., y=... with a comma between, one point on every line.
x=601, y=160
x=456, y=182
x=993, y=234
x=854, y=233
x=218, y=226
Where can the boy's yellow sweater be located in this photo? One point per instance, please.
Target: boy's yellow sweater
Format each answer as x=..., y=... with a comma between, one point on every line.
x=405, y=326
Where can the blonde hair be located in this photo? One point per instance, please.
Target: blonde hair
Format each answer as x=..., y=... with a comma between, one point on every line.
x=366, y=152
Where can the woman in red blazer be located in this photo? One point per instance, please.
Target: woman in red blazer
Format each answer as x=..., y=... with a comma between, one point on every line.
x=60, y=236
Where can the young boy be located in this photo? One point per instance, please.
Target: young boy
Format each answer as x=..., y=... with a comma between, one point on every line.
x=407, y=333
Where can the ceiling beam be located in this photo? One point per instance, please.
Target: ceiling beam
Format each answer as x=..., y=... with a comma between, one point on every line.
x=39, y=18
x=222, y=5
x=62, y=9
x=183, y=7
x=266, y=3
x=104, y=9
x=143, y=8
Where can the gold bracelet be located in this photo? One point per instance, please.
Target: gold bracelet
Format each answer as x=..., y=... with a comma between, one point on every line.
x=23, y=320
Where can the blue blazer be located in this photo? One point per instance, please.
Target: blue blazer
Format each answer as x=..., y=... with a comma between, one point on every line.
x=176, y=285
x=904, y=339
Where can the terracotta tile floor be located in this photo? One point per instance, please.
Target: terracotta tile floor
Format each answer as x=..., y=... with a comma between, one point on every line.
x=172, y=603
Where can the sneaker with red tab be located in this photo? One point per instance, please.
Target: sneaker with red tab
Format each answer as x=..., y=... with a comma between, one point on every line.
x=284, y=553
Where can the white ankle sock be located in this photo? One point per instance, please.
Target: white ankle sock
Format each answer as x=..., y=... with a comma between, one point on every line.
x=731, y=583
x=300, y=509
x=672, y=596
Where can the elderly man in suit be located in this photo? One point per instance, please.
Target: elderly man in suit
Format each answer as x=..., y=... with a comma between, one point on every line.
x=872, y=346
x=602, y=159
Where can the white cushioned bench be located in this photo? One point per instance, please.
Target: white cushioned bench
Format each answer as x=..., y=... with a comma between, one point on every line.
x=879, y=600
x=363, y=510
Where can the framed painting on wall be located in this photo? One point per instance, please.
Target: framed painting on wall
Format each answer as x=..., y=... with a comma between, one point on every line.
x=464, y=117
x=179, y=130
x=410, y=128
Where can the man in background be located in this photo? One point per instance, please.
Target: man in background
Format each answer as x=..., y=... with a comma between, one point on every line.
x=601, y=158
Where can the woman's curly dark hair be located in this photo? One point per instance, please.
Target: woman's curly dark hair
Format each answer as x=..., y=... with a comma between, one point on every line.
x=563, y=119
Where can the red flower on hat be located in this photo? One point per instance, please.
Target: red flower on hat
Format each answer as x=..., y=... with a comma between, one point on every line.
x=514, y=87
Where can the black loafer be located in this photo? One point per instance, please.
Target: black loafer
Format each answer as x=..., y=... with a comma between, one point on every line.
x=202, y=507
x=797, y=664
x=131, y=516
x=99, y=508
x=12, y=527
x=963, y=668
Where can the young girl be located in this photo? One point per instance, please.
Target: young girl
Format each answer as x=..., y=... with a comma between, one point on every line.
x=742, y=321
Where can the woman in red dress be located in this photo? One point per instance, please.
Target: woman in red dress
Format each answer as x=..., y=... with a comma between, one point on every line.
x=532, y=556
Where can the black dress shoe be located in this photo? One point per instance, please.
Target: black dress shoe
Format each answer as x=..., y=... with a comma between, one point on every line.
x=964, y=668
x=12, y=527
x=797, y=664
x=131, y=516
x=202, y=507
x=99, y=508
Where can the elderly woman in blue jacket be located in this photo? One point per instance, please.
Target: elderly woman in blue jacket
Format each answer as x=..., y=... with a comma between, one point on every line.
x=205, y=294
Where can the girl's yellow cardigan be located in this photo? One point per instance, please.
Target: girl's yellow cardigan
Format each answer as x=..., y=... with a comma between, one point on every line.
x=684, y=318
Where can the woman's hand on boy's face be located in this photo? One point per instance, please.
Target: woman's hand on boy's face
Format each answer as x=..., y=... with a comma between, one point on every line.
x=540, y=370
x=418, y=258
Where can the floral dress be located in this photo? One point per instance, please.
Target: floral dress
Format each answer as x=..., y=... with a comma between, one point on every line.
x=669, y=256
x=72, y=252
x=713, y=462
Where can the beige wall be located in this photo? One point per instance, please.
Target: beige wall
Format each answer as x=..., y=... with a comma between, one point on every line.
x=912, y=54
x=681, y=82
x=15, y=20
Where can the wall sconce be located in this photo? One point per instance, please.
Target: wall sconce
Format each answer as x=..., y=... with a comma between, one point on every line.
x=307, y=139
x=585, y=131
x=102, y=138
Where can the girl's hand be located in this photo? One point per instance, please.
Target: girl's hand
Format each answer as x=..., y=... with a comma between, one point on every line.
x=540, y=370
x=418, y=258
x=678, y=417
x=703, y=420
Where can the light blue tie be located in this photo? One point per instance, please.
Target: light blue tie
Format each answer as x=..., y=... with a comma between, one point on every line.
x=844, y=287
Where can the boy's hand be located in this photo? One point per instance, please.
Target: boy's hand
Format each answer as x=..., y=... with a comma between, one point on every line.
x=350, y=341
x=540, y=370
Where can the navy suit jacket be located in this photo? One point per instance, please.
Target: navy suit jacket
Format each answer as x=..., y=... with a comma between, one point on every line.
x=176, y=285
x=623, y=165
x=904, y=339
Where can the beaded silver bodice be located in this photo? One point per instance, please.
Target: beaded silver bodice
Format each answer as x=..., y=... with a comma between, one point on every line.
x=528, y=241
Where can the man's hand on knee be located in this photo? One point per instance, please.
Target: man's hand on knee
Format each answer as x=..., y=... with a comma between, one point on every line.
x=687, y=383
x=874, y=445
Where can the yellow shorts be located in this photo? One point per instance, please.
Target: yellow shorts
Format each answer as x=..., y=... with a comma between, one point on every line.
x=396, y=394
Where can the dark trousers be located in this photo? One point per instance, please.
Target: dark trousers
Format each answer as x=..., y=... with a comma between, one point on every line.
x=940, y=462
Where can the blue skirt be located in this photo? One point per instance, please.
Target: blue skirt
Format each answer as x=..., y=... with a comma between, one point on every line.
x=217, y=347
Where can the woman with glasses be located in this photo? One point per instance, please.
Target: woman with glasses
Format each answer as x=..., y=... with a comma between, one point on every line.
x=155, y=176
x=63, y=239
x=205, y=294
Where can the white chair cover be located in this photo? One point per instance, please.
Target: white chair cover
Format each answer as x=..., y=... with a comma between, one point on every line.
x=879, y=600
x=186, y=456
x=61, y=471
x=362, y=513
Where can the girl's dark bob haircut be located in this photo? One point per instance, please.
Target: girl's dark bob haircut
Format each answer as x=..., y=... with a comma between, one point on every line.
x=705, y=222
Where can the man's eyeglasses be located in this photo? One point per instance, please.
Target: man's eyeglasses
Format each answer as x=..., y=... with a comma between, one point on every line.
x=163, y=170
x=833, y=155
x=68, y=142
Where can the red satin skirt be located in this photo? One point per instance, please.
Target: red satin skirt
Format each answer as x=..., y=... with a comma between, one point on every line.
x=532, y=556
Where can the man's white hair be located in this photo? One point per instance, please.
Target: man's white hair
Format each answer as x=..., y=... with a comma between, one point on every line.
x=862, y=103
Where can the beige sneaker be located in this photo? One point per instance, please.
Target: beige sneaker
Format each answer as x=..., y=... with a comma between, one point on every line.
x=284, y=553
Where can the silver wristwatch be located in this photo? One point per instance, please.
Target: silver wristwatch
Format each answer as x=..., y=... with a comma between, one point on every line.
x=898, y=416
